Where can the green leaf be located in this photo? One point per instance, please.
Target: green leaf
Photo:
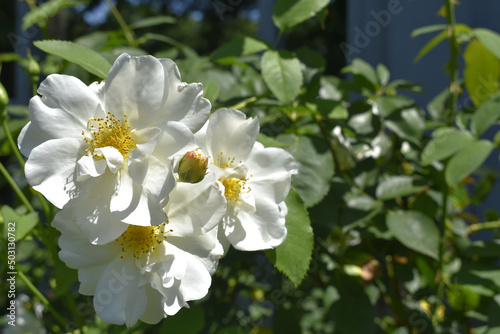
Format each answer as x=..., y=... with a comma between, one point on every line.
x=239, y=47
x=352, y=311
x=95, y=41
x=9, y=57
x=269, y=141
x=78, y=54
x=17, y=111
x=316, y=166
x=230, y=330
x=288, y=13
x=427, y=29
x=407, y=124
x=426, y=204
x=47, y=10
x=388, y=104
x=293, y=256
x=481, y=72
x=446, y=142
x=314, y=64
x=427, y=271
x=486, y=114
x=153, y=21
x=415, y=230
x=462, y=299
x=430, y=45
x=211, y=91
x=467, y=160
x=330, y=108
x=394, y=86
x=361, y=208
x=483, y=188
x=383, y=74
x=490, y=39
x=479, y=249
x=361, y=67
x=332, y=88
x=493, y=319
x=482, y=278
x=459, y=28
x=64, y=277
x=170, y=53
x=23, y=223
x=437, y=106
x=282, y=74
x=363, y=123
x=398, y=186
x=186, y=321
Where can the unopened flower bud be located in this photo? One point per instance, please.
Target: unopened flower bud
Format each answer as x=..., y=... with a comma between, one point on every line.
x=33, y=69
x=4, y=97
x=193, y=167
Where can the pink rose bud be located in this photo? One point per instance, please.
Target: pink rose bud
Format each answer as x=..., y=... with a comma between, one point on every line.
x=193, y=167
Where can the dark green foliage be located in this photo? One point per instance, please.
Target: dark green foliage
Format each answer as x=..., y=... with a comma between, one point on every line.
x=383, y=210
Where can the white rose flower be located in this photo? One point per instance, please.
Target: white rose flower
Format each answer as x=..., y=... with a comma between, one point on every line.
x=256, y=180
x=107, y=147
x=149, y=272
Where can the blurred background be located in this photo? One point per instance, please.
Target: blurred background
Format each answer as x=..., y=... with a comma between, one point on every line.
x=377, y=31
x=201, y=25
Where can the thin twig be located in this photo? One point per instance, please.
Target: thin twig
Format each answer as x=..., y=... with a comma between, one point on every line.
x=126, y=31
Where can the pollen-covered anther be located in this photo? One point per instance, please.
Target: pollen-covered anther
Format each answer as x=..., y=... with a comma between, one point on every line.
x=233, y=187
x=109, y=131
x=142, y=239
x=223, y=162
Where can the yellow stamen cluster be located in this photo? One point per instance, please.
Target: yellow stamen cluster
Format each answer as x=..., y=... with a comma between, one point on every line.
x=219, y=162
x=109, y=131
x=233, y=187
x=142, y=239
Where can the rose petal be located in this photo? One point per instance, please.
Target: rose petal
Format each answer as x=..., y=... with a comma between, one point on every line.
x=175, y=138
x=89, y=167
x=263, y=229
x=114, y=159
x=138, y=204
x=76, y=250
x=184, y=103
x=154, y=309
x=119, y=297
x=232, y=134
x=51, y=169
x=145, y=141
x=195, y=208
x=135, y=87
x=62, y=111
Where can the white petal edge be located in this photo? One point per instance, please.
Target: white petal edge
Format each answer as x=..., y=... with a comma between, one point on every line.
x=51, y=169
